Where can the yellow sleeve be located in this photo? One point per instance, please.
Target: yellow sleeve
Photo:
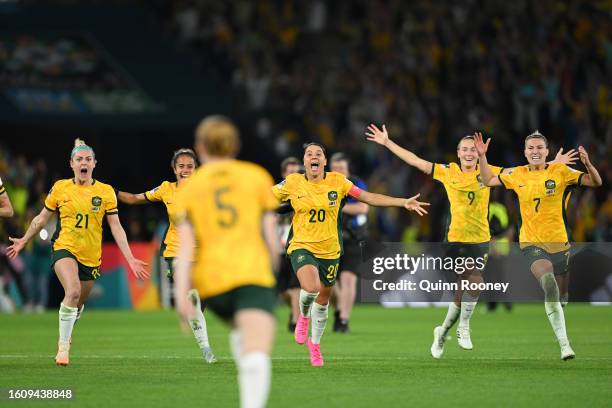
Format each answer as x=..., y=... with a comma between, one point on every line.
x=157, y=193
x=345, y=186
x=440, y=172
x=509, y=180
x=572, y=176
x=496, y=169
x=53, y=197
x=267, y=199
x=281, y=190
x=110, y=206
x=2, y=189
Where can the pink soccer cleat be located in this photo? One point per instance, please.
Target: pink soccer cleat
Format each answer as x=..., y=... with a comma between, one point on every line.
x=316, y=358
x=301, y=330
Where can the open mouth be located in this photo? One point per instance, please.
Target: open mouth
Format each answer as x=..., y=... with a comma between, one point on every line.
x=314, y=166
x=535, y=157
x=468, y=159
x=83, y=172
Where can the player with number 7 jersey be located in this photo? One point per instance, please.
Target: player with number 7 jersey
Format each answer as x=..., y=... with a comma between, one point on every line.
x=315, y=239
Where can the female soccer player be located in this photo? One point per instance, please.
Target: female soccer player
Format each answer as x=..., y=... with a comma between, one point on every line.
x=315, y=239
x=227, y=207
x=81, y=203
x=183, y=164
x=468, y=231
x=543, y=190
x=6, y=208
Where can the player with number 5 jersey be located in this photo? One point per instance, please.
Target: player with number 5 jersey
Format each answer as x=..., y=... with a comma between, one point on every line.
x=315, y=239
x=81, y=204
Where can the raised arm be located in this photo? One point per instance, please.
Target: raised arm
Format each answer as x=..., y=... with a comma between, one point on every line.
x=35, y=226
x=136, y=265
x=382, y=138
x=131, y=199
x=355, y=208
x=592, y=178
x=488, y=178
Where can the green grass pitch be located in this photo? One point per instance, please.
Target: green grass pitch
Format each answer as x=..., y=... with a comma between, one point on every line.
x=123, y=359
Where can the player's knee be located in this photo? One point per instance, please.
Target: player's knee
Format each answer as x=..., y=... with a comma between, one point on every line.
x=73, y=295
x=311, y=287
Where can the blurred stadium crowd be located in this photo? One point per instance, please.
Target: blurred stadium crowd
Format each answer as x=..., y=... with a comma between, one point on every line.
x=432, y=71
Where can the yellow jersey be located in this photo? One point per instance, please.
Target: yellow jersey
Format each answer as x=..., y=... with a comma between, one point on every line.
x=2, y=189
x=317, y=220
x=81, y=211
x=165, y=193
x=543, y=196
x=469, y=202
x=225, y=202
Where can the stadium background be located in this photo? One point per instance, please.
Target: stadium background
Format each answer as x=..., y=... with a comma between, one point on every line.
x=134, y=78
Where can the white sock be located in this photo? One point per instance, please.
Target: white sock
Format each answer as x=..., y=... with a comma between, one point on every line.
x=306, y=300
x=236, y=346
x=564, y=299
x=468, y=304
x=451, y=317
x=553, y=308
x=198, y=327
x=79, y=313
x=254, y=372
x=319, y=314
x=67, y=317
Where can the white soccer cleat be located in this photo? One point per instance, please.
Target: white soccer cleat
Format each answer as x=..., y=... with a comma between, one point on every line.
x=566, y=351
x=463, y=338
x=437, y=347
x=63, y=353
x=208, y=355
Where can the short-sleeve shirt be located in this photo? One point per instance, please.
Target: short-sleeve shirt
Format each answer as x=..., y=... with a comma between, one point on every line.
x=543, y=196
x=469, y=202
x=81, y=210
x=317, y=220
x=225, y=202
x=165, y=193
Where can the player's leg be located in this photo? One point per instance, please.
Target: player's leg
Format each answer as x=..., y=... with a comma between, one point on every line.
x=67, y=272
x=294, y=301
x=320, y=315
x=346, y=299
x=86, y=287
x=307, y=272
x=563, y=284
x=542, y=269
x=197, y=322
x=469, y=299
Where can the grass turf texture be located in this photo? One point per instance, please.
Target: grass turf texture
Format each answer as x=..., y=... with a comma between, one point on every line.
x=142, y=359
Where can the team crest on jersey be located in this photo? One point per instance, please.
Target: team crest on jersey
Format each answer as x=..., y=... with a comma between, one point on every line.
x=479, y=179
x=550, y=186
x=96, y=203
x=333, y=198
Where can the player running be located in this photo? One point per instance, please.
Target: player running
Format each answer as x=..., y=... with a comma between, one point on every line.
x=543, y=192
x=354, y=231
x=315, y=239
x=225, y=207
x=183, y=164
x=81, y=203
x=468, y=233
x=6, y=208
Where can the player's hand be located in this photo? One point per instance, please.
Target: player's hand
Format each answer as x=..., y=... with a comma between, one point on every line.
x=139, y=269
x=374, y=134
x=584, y=156
x=481, y=146
x=568, y=158
x=17, y=245
x=413, y=204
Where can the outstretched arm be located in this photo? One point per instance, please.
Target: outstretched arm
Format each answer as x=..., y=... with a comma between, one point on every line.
x=381, y=200
x=565, y=158
x=269, y=233
x=129, y=198
x=355, y=208
x=488, y=178
x=592, y=178
x=35, y=226
x=382, y=138
x=136, y=265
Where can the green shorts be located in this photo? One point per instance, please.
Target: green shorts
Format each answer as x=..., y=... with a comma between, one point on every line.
x=86, y=273
x=225, y=305
x=328, y=268
x=559, y=260
x=469, y=250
